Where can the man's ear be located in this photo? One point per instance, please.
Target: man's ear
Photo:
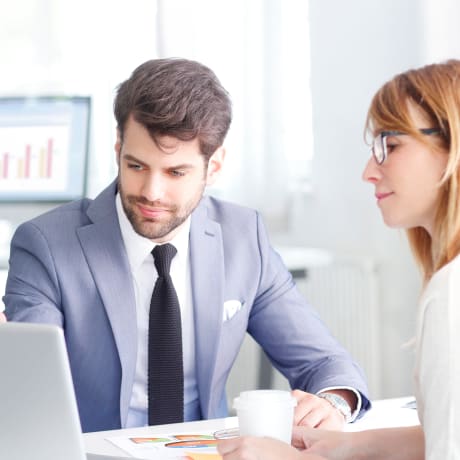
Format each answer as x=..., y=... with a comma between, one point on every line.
x=215, y=165
x=117, y=146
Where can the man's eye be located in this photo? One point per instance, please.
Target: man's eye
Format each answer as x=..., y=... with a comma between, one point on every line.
x=177, y=173
x=135, y=166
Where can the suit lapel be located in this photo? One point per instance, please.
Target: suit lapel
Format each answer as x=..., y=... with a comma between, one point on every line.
x=207, y=275
x=104, y=250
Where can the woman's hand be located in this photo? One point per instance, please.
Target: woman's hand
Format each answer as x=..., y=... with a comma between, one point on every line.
x=334, y=445
x=254, y=448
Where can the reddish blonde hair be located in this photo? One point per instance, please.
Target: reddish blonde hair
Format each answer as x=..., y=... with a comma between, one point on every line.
x=435, y=90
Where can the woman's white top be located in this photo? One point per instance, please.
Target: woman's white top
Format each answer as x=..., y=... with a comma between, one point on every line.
x=437, y=367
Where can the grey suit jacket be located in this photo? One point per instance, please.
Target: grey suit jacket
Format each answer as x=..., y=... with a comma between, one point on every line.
x=69, y=267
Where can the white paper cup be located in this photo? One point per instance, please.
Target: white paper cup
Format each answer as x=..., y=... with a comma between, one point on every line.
x=266, y=413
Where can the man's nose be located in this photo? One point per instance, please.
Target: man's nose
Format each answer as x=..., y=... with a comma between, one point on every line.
x=154, y=187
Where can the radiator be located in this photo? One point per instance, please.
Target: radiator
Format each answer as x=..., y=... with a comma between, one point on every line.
x=345, y=293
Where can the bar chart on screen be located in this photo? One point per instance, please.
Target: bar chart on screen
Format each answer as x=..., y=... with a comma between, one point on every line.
x=44, y=145
x=33, y=157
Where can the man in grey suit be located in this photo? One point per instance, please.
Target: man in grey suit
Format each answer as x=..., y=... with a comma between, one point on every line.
x=87, y=267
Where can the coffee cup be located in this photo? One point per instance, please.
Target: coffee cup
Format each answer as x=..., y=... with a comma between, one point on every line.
x=266, y=413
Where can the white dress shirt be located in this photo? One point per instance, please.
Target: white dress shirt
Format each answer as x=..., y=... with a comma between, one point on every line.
x=144, y=276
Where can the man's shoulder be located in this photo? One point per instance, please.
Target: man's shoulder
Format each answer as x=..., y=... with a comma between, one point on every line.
x=63, y=214
x=78, y=212
x=218, y=209
x=56, y=226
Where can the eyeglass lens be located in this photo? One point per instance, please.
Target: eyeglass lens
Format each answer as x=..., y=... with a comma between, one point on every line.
x=378, y=148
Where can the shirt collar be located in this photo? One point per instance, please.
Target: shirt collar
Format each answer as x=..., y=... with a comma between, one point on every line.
x=138, y=248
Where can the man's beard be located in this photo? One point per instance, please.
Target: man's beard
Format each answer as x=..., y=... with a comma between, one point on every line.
x=154, y=229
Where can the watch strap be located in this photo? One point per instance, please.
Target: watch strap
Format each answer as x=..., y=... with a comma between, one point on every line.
x=339, y=403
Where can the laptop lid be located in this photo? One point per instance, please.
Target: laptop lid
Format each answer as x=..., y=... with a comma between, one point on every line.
x=38, y=411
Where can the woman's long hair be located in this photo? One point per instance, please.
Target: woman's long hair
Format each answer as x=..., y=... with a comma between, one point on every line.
x=435, y=90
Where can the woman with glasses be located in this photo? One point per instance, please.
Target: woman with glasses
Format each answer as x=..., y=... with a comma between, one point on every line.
x=415, y=170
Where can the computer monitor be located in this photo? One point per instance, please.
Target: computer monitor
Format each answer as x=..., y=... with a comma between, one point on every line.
x=43, y=148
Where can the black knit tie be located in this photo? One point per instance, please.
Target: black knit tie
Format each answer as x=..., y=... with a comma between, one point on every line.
x=166, y=370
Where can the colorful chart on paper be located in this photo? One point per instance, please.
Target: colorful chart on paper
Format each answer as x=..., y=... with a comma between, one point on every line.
x=182, y=446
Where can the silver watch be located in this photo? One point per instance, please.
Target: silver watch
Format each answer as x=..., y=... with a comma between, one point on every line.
x=339, y=403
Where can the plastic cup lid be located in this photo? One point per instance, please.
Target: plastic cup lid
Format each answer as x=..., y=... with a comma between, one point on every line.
x=265, y=397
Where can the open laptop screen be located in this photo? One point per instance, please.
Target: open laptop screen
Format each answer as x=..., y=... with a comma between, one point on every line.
x=38, y=411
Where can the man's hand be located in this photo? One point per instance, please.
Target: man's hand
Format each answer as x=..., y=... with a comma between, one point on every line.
x=253, y=448
x=316, y=412
x=2, y=318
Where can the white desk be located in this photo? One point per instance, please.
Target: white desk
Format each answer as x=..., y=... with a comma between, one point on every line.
x=385, y=413
x=96, y=443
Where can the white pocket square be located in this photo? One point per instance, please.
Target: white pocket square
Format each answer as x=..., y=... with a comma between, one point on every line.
x=231, y=308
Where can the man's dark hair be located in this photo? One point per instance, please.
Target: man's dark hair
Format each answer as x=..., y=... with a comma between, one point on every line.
x=176, y=97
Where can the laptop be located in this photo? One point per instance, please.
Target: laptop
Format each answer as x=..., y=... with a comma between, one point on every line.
x=38, y=411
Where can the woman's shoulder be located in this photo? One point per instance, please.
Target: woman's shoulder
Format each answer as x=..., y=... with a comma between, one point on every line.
x=448, y=272
x=444, y=284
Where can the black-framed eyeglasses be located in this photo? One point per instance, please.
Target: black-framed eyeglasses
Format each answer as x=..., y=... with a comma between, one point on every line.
x=379, y=145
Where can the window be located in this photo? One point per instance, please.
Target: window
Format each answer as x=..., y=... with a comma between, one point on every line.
x=259, y=49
